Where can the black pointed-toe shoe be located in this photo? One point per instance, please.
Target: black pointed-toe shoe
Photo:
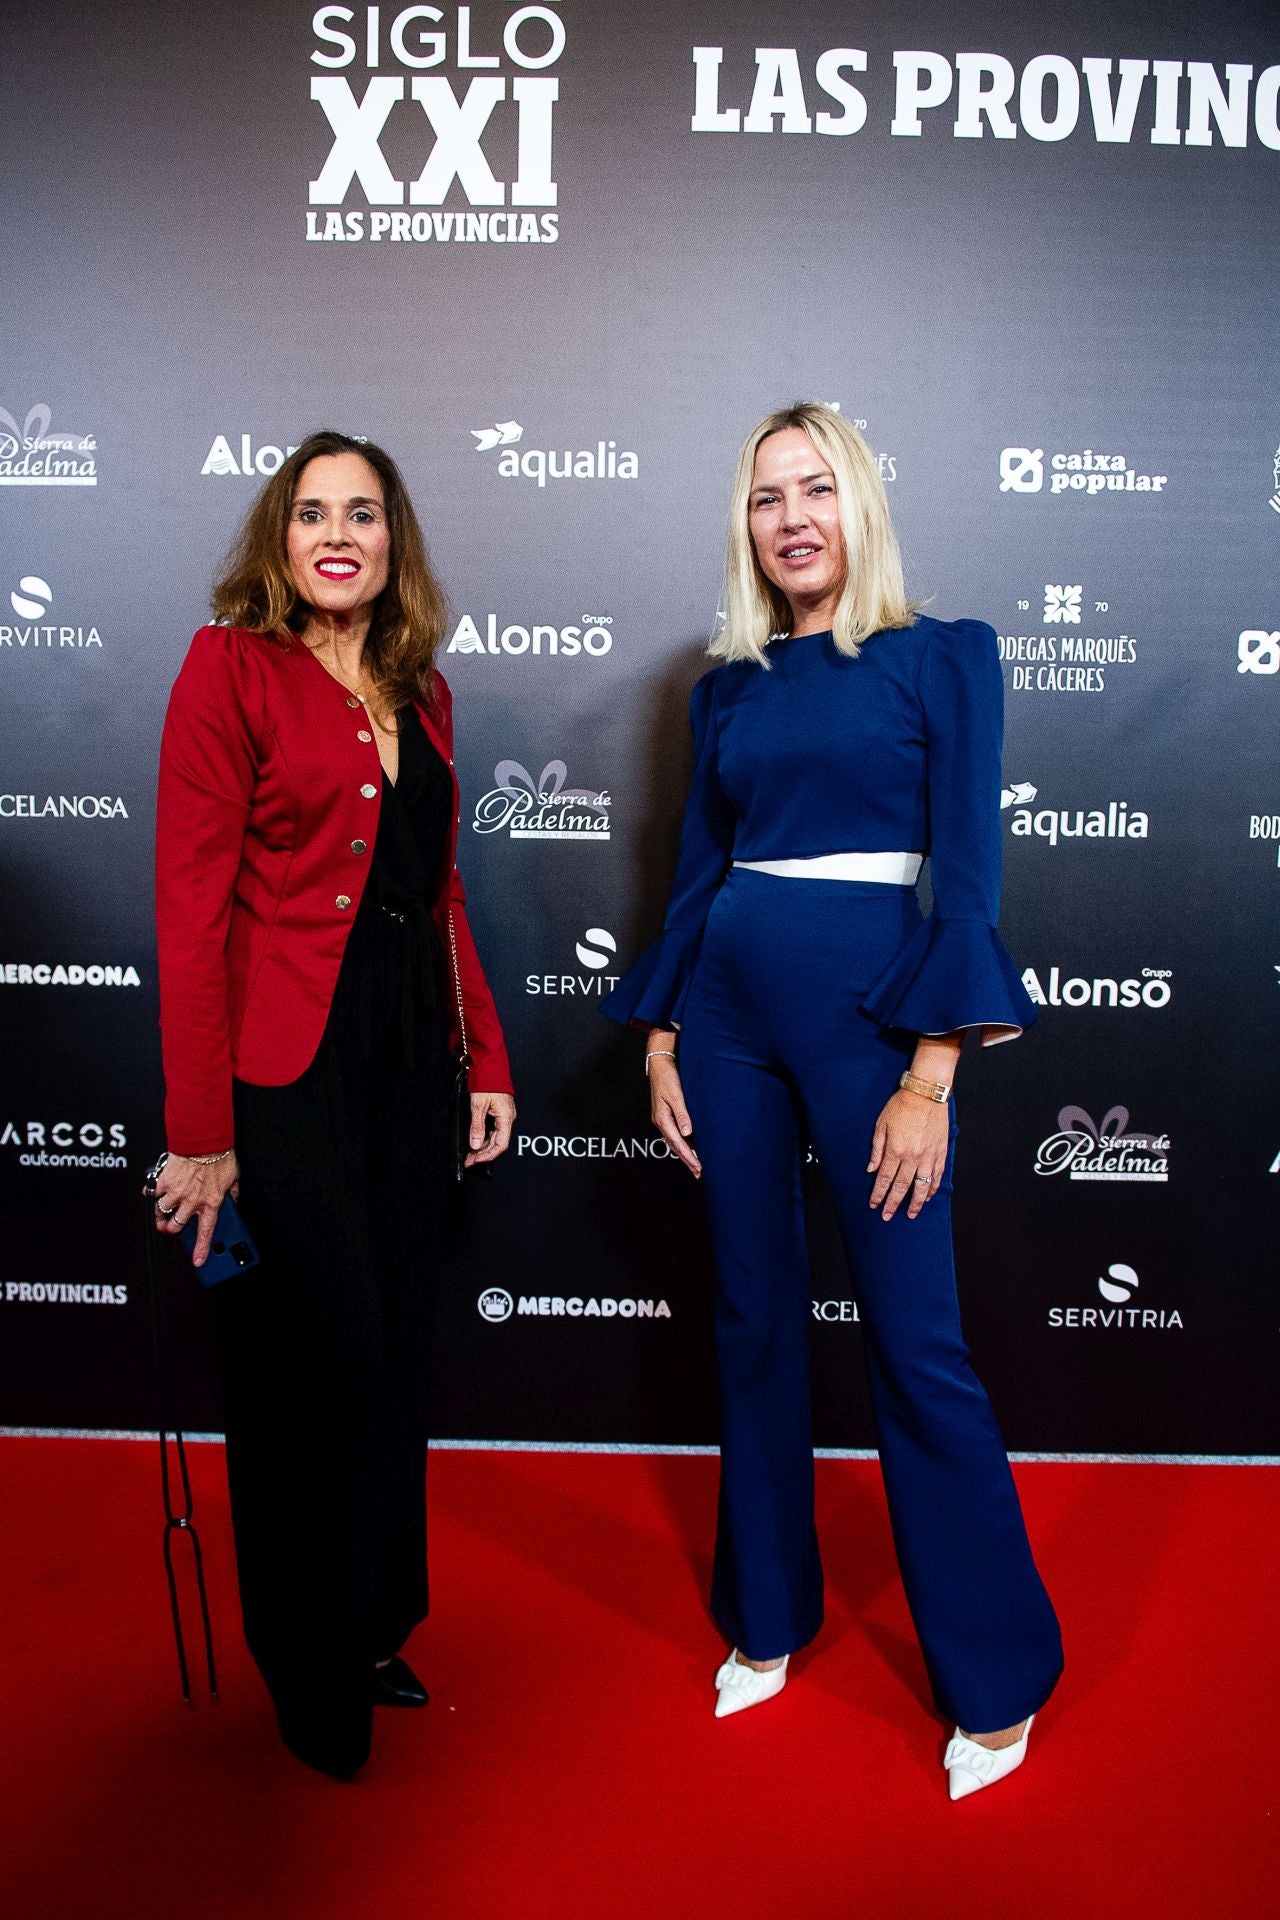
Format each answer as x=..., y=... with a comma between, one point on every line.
x=336, y=1747
x=397, y=1685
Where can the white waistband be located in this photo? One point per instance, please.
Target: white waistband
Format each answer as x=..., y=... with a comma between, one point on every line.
x=893, y=869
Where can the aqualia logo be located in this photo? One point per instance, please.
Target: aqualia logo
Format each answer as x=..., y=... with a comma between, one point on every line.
x=604, y=461
x=1113, y=821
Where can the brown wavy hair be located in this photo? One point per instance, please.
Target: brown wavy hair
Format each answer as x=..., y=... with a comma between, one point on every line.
x=255, y=590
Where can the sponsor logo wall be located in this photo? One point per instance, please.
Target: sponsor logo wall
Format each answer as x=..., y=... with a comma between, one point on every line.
x=542, y=253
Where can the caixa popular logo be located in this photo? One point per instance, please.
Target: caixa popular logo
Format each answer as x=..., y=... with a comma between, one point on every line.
x=1258, y=651
x=1124, y=1310
x=1115, y=820
x=604, y=460
x=1084, y=1149
x=588, y=638
x=541, y=809
x=458, y=102
x=1025, y=469
x=45, y=1145
x=1152, y=989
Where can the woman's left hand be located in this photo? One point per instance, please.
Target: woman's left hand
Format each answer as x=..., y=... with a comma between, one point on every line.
x=908, y=1153
x=486, y=1146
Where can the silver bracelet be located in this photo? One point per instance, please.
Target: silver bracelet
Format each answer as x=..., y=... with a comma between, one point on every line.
x=208, y=1159
x=657, y=1053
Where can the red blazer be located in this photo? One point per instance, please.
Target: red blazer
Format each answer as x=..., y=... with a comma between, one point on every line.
x=267, y=815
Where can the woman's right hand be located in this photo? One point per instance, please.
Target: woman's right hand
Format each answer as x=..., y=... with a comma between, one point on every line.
x=669, y=1112
x=185, y=1188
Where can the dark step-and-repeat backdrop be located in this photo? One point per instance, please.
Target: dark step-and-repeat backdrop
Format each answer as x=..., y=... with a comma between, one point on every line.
x=558, y=259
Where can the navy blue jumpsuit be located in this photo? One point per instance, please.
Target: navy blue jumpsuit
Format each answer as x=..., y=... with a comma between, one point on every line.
x=799, y=1002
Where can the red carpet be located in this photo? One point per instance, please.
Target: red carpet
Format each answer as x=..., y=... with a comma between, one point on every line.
x=569, y=1764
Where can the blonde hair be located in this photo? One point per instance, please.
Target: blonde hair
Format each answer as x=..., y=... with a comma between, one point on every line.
x=255, y=589
x=874, y=595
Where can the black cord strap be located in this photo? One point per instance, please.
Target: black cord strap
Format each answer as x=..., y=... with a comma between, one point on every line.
x=178, y=1521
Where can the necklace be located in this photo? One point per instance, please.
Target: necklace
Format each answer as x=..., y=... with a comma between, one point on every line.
x=383, y=726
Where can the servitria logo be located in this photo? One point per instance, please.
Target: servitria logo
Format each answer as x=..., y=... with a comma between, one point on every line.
x=32, y=601
x=1085, y=1149
x=541, y=809
x=1118, y=1288
x=596, y=951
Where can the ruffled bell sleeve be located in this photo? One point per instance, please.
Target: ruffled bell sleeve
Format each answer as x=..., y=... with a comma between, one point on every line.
x=955, y=972
x=652, y=992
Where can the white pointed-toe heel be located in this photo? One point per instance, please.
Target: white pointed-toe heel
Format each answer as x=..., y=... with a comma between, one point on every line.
x=738, y=1686
x=971, y=1767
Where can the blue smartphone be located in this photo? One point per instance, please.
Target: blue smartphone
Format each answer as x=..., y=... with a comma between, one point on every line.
x=232, y=1250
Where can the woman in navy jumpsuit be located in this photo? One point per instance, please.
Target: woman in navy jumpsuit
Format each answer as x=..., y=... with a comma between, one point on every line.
x=802, y=981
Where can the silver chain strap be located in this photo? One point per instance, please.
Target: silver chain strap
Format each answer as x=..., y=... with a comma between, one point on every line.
x=457, y=986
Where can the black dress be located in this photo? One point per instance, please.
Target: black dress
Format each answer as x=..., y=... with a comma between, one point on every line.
x=325, y=1346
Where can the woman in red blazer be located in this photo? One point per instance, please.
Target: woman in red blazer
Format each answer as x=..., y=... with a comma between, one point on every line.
x=316, y=969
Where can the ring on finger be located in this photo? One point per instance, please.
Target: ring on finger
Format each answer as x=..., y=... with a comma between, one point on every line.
x=166, y=1213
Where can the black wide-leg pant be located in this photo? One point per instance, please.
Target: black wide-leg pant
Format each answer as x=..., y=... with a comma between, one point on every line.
x=325, y=1357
